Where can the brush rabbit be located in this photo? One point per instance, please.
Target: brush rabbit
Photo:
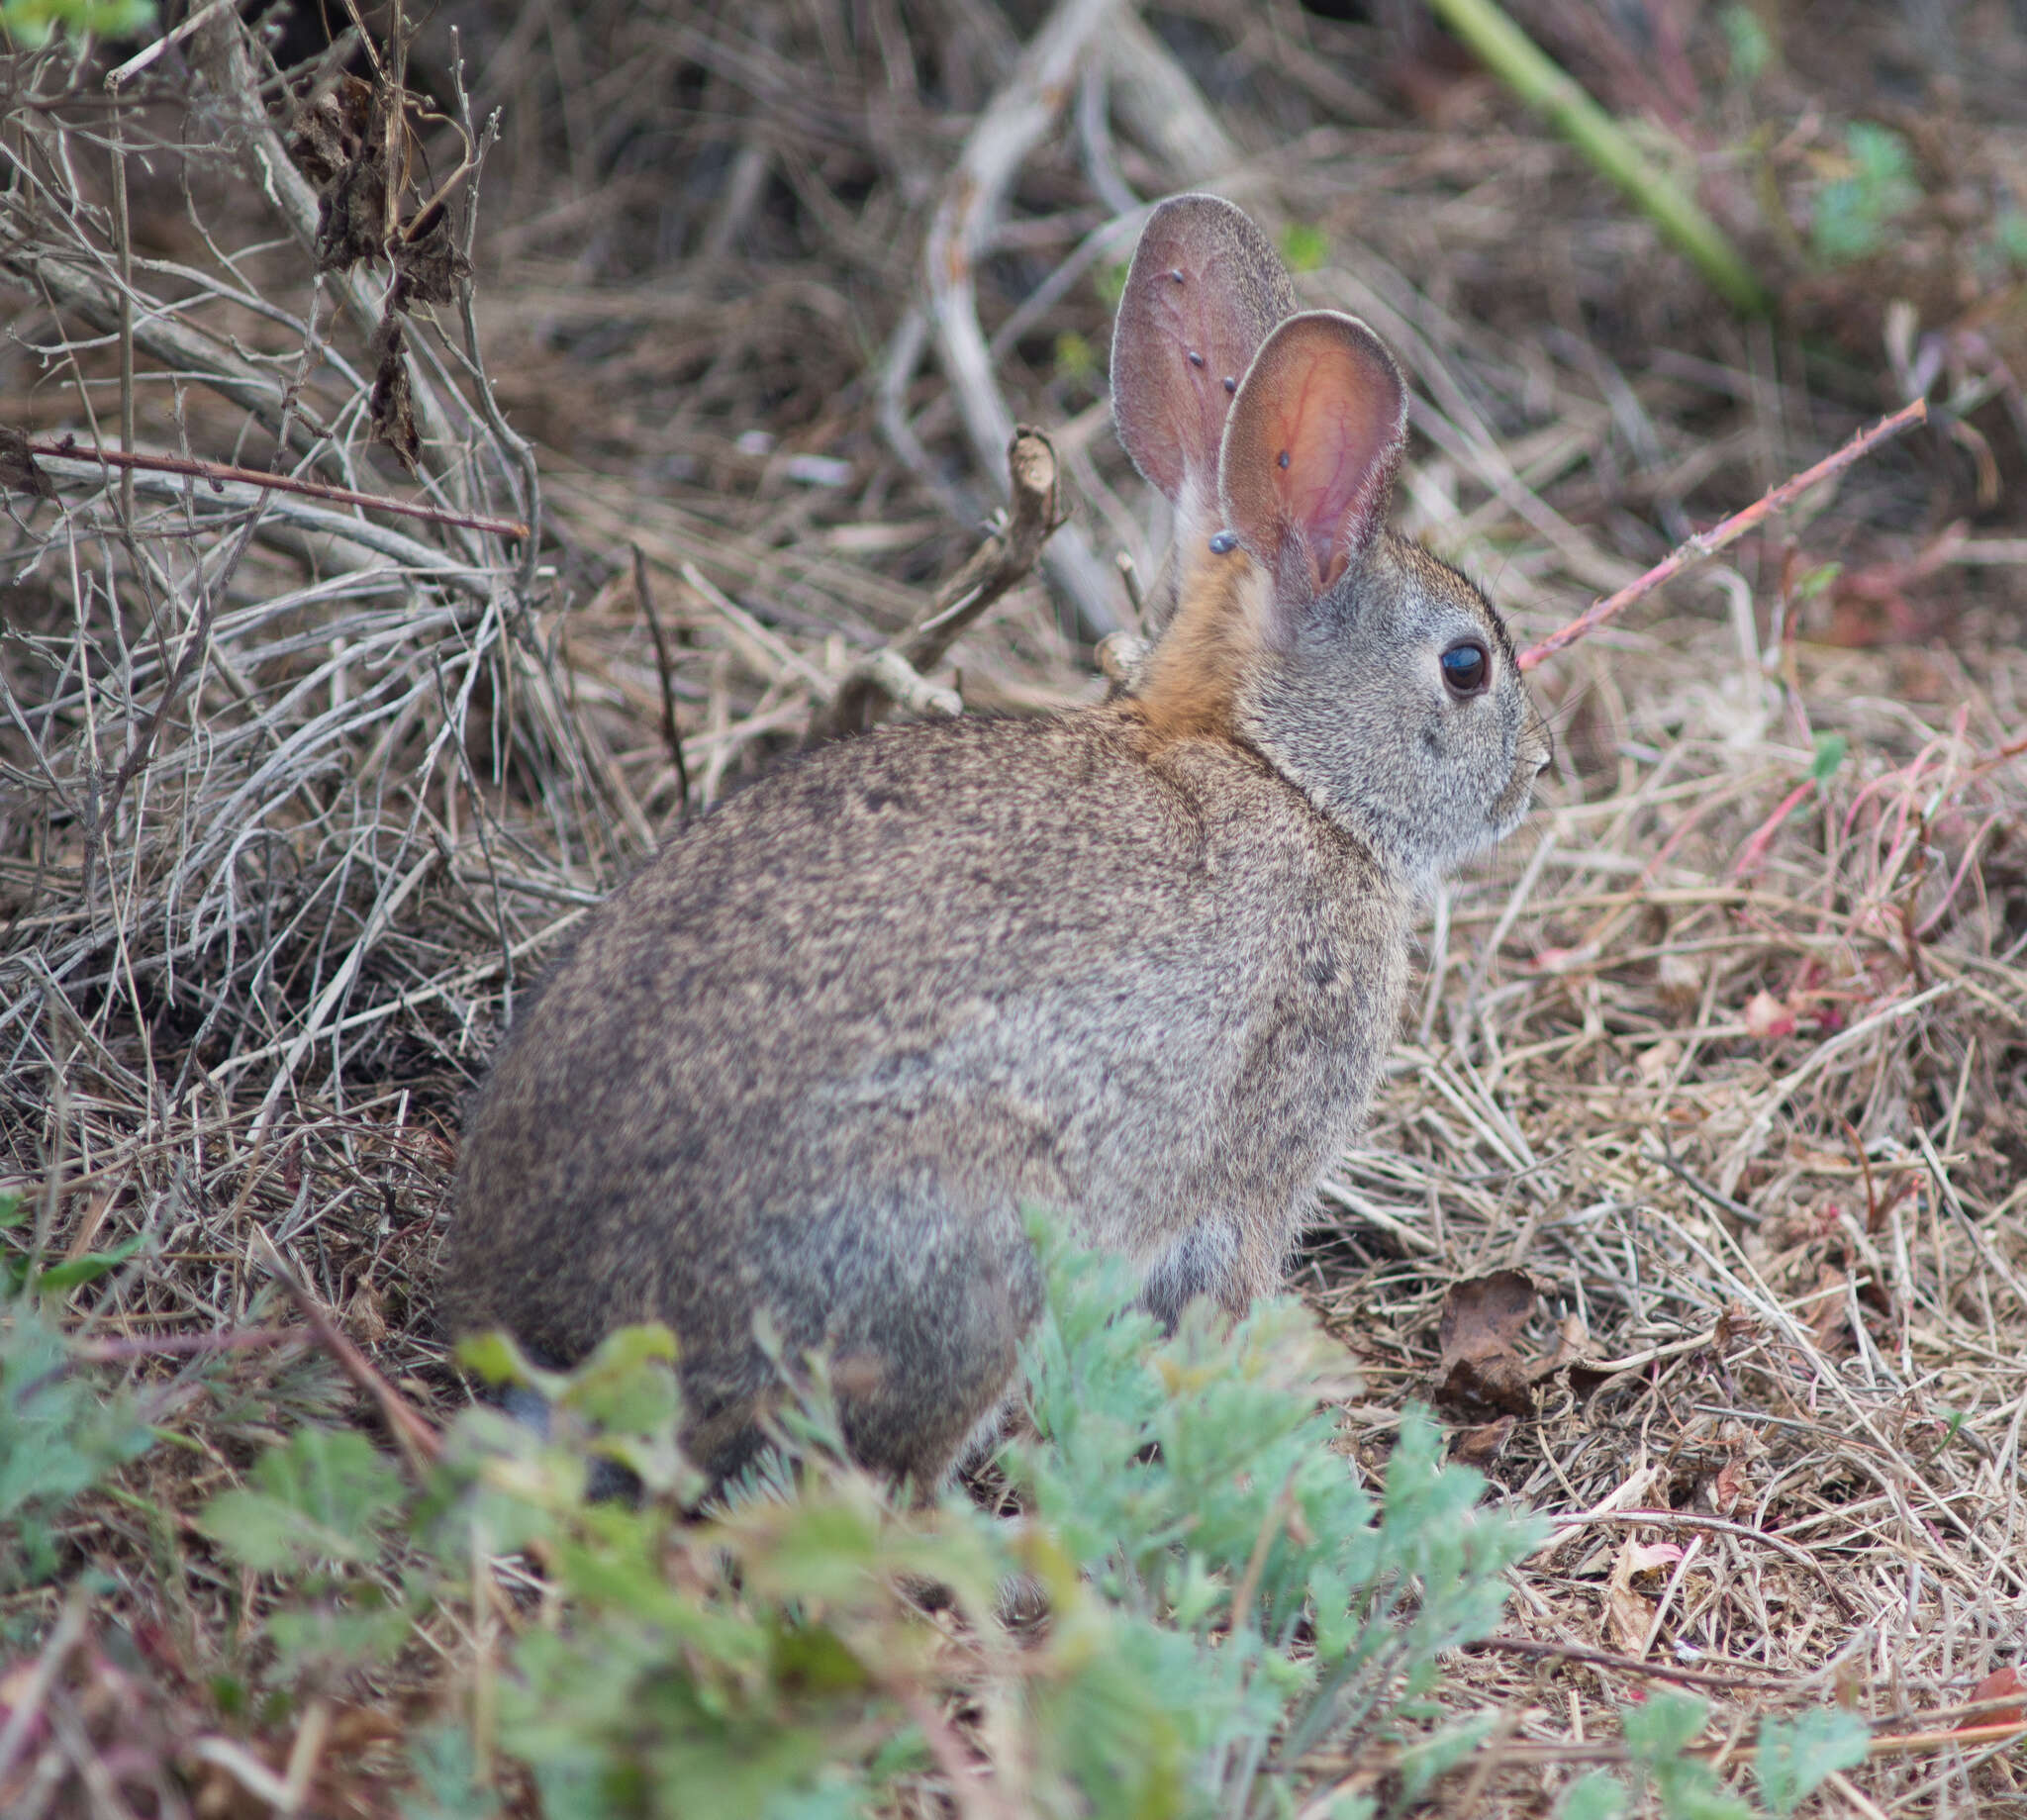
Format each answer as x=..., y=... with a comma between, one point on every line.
x=1139, y=964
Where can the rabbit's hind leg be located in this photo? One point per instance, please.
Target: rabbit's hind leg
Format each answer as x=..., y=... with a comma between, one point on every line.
x=1203, y=1262
x=924, y=1335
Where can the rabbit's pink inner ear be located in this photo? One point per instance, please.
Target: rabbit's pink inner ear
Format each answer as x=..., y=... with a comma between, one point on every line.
x=1314, y=436
x=1204, y=290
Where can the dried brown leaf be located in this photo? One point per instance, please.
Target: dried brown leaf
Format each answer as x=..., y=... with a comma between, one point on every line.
x=393, y=404
x=428, y=265
x=1995, y=1685
x=17, y=470
x=1628, y=1614
x=1480, y=1369
x=1481, y=1445
x=331, y=128
x=351, y=219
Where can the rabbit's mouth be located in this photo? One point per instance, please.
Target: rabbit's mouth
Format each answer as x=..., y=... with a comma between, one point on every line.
x=1537, y=747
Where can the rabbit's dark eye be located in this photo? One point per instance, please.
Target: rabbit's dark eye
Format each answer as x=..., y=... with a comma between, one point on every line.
x=1465, y=668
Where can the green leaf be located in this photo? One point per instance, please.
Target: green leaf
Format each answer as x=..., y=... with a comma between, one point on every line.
x=32, y=21
x=1816, y=580
x=628, y=1384
x=1663, y=1726
x=324, y=1496
x=1597, y=1796
x=441, y=1761
x=87, y=1268
x=1851, y=214
x=13, y=1212
x=1750, y=47
x=1794, y=1756
x=359, y=1628
x=1304, y=247
x=499, y=1361
x=2011, y=233
x=60, y=1433
x=812, y=1661
x=1830, y=751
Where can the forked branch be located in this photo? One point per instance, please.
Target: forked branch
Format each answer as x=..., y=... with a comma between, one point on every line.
x=894, y=671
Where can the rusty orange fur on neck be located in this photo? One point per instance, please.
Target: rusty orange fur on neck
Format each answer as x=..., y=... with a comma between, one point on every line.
x=1213, y=640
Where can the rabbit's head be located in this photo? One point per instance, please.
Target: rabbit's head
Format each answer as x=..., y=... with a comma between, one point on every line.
x=1373, y=676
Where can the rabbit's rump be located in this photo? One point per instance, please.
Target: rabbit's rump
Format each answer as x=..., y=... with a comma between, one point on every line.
x=815, y=1060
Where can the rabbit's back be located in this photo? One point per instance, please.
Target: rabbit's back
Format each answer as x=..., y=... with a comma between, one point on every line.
x=888, y=997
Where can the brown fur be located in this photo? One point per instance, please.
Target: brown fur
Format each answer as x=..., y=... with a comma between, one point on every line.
x=1212, y=644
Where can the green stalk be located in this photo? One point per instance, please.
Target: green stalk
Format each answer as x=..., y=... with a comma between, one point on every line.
x=1516, y=59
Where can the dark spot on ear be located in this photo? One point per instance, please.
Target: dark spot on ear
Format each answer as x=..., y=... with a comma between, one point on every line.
x=1195, y=359
x=1177, y=276
x=1281, y=461
x=1231, y=385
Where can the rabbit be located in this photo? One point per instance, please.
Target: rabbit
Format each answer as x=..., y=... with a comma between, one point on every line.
x=1138, y=963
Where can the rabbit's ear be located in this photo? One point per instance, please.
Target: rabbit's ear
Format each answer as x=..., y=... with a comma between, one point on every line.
x=1310, y=448
x=1203, y=291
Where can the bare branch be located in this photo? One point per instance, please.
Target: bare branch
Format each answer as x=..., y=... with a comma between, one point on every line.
x=278, y=483
x=893, y=673
x=1726, y=532
x=1020, y=115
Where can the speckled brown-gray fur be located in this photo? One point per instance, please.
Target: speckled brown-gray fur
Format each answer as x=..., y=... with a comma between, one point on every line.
x=1139, y=964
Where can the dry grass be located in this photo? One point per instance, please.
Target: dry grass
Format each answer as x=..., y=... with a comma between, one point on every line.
x=293, y=799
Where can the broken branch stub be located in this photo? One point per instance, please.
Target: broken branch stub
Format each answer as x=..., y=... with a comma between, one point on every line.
x=894, y=672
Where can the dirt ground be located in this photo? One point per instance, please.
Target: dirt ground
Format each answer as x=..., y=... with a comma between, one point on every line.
x=1726, y=1050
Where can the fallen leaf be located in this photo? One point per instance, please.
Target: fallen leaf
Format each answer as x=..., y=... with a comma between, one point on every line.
x=365, y=1316
x=1679, y=979
x=1628, y=1615
x=1481, y=1445
x=1830, y=1319
x=1995, y=1685
x=1572, y=1340
x=1482, y=1318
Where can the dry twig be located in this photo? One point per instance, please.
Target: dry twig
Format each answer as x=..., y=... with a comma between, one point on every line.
x=894, y=672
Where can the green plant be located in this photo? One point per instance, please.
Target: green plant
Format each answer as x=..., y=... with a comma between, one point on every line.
x=1515, y=57
x=1221, y=1594
x=1076, y=359
x=1851, y=214
x=1791, y=1759
x=24, y=1271
x=32, y=23
x=60, y=1434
